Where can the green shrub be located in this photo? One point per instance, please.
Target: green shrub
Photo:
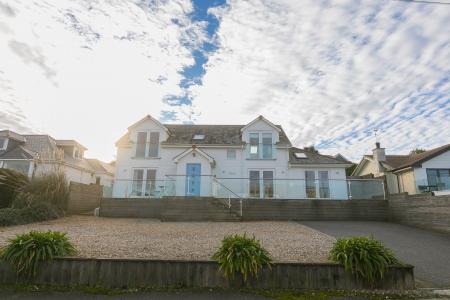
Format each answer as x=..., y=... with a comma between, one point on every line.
x=241, y=254
x=51, y=188
x=364, y=257
x=26, y=251
x=35, y=213
x=20, y=191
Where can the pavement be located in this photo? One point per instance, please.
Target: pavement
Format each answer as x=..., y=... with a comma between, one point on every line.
x=8, y=294
x=427, y=250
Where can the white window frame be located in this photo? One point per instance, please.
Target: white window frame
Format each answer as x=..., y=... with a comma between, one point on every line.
x=1, y=164
x=261, y=182
x=260, y=143
x=144, y=181
x=147, y=144
x=317, y=183
x=231, y=151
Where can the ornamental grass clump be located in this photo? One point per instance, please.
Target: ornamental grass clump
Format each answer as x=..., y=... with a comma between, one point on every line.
x=364, y=257
x=26, y=251
x=241, y=254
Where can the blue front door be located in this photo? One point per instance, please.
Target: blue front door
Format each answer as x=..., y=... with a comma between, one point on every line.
x=193, y=172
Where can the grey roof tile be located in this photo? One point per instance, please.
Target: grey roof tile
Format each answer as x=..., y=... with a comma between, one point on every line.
x=312, y=158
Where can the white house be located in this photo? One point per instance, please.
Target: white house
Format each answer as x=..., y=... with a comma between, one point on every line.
x=40, y=154
x=411, y=173
x=254, y=160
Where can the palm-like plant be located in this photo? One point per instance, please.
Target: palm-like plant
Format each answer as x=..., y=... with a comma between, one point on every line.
x=26, y=251
x=241, y=254
x=364, y=257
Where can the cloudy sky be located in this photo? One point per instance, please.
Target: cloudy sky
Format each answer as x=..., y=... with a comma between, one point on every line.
x=329, y=71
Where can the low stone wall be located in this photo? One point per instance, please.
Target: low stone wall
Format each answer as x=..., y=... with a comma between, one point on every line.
x=128, y=273
x=423, y=211
x=253, y=209
x=130, y=208
x=301, y=210
x=84, y=197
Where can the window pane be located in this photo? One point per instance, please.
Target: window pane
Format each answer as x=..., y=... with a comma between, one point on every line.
x=324, y=184
x=2, y=143
x=150, y=183
x=138, y=177
x=140, y=144
x=268, y=184
x=443, y=179
x=267, y=138
x=432, y=179
x=154, y=144
x=310, y=184
x=254, y=145
x=231, y=154
x=254, y=184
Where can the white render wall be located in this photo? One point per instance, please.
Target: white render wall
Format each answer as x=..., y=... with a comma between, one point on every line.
x=234, y=173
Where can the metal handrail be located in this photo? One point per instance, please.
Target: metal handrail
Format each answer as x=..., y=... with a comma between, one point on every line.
x=229, y=195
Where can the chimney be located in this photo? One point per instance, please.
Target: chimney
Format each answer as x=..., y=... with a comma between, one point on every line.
x=379, y=156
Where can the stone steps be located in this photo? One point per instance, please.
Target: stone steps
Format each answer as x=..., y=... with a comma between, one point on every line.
x=191, y=209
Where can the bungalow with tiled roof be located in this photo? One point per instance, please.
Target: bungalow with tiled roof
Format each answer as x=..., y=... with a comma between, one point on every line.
x=412, y=173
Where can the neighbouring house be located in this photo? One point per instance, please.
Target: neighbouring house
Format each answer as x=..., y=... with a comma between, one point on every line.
x=255, y=160
x=411, y=173
x=39, y=154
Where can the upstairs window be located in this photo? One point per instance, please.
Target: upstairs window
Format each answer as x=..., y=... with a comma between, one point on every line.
x=75, y=152
x=147, y=144
x=154, y=144
x=260, y=146
x=231, y=154
x=141, y=143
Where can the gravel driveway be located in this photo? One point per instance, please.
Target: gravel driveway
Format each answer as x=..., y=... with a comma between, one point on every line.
x=148, y=238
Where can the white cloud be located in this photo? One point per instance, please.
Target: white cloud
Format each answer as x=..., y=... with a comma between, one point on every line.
x=328, y=71
x=331, y=71
x=86, y=70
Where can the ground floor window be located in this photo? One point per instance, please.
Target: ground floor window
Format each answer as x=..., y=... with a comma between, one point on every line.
x=438, y=179
x=261, y=183
x=144, y=182
x=317, y=184
x=310, y=184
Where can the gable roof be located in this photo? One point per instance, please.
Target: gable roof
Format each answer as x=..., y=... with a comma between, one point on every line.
x=12, y=135
x=18, y=152
x=146, y=118
x=261, y=118
x=193, y=149
x=99, y=166
x=69, y=143
x=413, y=160
x=227, y=135
x=313, y=158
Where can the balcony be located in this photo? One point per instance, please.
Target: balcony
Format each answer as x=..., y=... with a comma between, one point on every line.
x=260, y=151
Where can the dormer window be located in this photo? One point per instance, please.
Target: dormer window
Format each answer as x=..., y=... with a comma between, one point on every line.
x=147, y=144
x=3, y=143
x=199, y=137
x=75, y=152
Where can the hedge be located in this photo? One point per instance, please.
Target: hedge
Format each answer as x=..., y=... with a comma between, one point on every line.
x=35, y=213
